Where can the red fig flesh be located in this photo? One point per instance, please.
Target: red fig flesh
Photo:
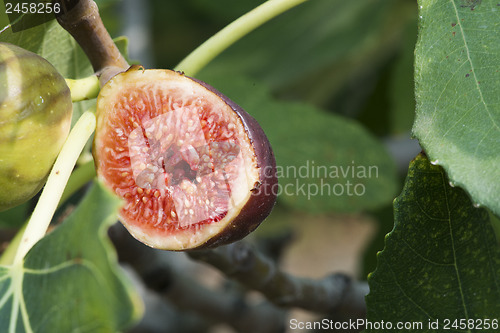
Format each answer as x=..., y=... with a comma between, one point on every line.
x=193, y=168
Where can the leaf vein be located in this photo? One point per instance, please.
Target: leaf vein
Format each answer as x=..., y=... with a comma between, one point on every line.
x=424, y=258
x=462, y=32
x=455, y=264
x=403, y=292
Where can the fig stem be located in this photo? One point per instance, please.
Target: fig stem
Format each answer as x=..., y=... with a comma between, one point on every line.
x=81, y=19
x=211, y=48
x=80, y=176
x=56, y=182
x=83, y=89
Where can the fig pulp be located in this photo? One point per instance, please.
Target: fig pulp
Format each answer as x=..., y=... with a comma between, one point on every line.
x=35, y=119
x=193, y=168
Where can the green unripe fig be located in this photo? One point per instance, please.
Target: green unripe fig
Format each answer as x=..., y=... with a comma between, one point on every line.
x=35, y=119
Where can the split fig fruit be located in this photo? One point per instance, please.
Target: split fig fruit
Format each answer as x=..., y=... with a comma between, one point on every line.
x=35, y=119
x=193, y=168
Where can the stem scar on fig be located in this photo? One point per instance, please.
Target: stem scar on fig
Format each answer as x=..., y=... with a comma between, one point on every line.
x=190, y=164
x=256, y=186
x=136, y=68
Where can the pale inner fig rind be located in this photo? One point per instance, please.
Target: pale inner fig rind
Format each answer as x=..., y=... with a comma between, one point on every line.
x=174, y=151
x=35, y=119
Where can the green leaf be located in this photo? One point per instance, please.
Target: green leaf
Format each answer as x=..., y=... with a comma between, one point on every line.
x=457, y=83
x=70, y=281
x=441, y=260
x=324, y=162
x=53, y=43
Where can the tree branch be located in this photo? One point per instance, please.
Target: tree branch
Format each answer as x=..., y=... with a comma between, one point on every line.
x=81, y=19
x=335, y=294
x=160, y=315
x=229, y=306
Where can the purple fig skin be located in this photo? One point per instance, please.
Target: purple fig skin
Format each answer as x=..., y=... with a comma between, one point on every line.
x=255, y=185
x=262, y=201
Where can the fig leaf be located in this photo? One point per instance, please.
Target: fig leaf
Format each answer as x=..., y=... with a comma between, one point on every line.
x=458, y=105
x=441, y=260
x=70, y=281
